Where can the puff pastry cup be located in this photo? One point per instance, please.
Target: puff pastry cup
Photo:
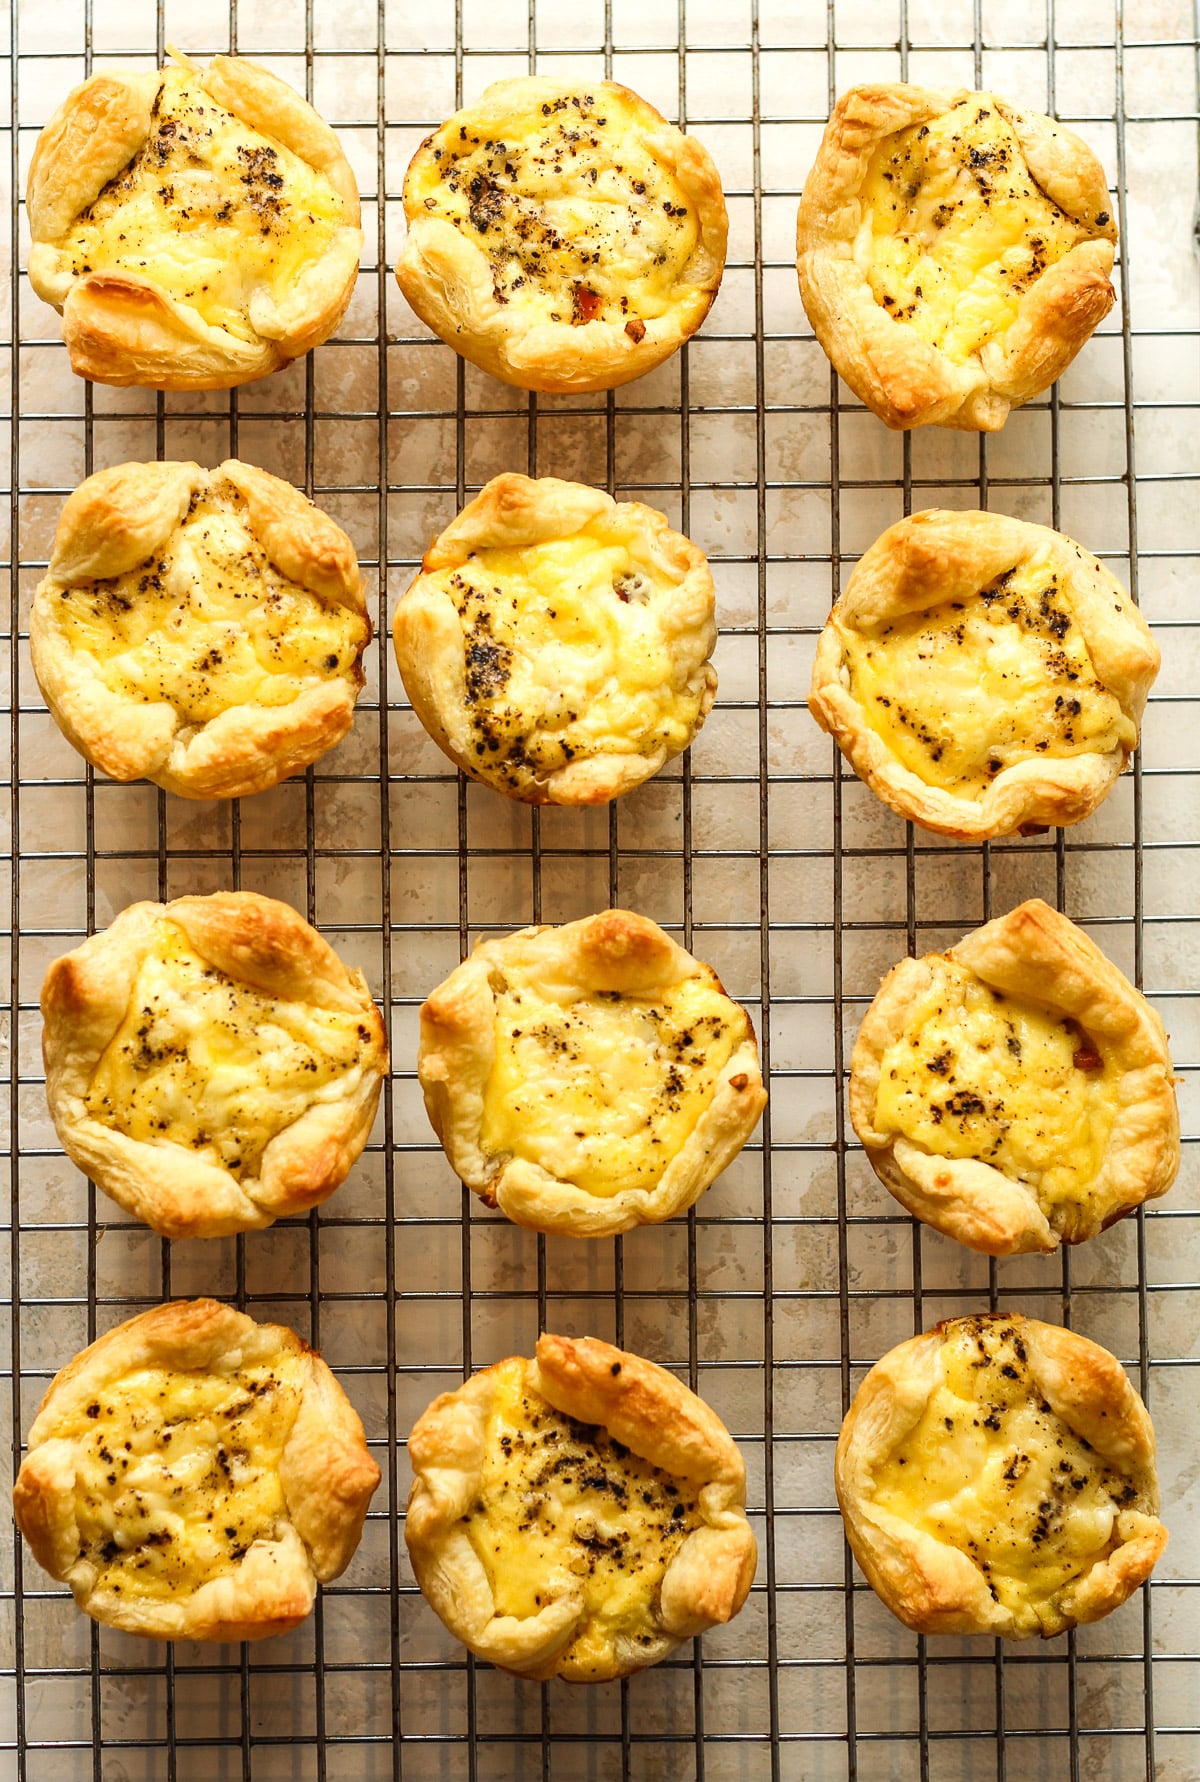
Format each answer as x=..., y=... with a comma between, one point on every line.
x=983, y=675
x=578, y=1515
x=954, y=252
x=193, y=1475
x=211, y=1063
x=556, y=643
x=997, y=1476
x=1017, y=1091
x=563, y=238
x=588, y=1078
x=197, y=227
x=201, y=629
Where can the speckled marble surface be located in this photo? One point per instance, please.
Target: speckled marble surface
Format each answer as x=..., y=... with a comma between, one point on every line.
x=405, y=1285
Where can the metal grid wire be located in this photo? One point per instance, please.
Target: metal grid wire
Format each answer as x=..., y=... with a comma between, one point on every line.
x=796, y=1271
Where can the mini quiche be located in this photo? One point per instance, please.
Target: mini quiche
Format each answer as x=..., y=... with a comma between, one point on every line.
x=588, y=1078
x=197, y=228
x=1016, y=1092
x=556, y=643
x=578, y=1515
x=201, y=629
x=954, y=252
x=563, y=238
x=983, y=675
x=211, y=1063
x=997, y=1476
x=193, y=1475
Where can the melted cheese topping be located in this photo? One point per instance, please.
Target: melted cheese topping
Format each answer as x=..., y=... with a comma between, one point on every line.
x=569, y=654
x=961, y=691
x=177, y=1474
x=576, y=218
x=565, y=1510
x=209, y=211
x=984, y=1075
x=991, y=1470
x=956, y=229
x=203, y=1061
x=209, y=623
x=604, y=1090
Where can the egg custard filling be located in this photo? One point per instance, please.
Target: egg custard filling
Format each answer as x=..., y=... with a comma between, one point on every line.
x=578, y=220
x=209, y=623
x=206, y=1062
x=209, y=211
x=570, y=653
x=981, y=1074
x=564, y=1510
x=603, y=1090
x=992, y=1470
x=177, y=1473
x=964, y=689
x=956, y=229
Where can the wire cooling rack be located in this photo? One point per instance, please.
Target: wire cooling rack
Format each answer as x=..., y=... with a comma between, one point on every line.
x=796, y=1271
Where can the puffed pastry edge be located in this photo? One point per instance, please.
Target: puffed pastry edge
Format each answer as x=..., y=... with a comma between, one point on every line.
x=449, y=283
x=120, y=518
x=650, y=1412
x=901, y=377
x=120, y=328
x=1039, y=955
x=614, y=950
x=935, y=1588
x=513, y=512
x=327, y=1473
x=939, y=556
x=258, y=941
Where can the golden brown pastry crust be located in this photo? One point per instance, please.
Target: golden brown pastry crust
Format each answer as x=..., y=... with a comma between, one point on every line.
x=649, y=1412
x=449, y=279
x=457, y=668
x=935, y=1587
x=906, y=380
x=325, y=1470
x=614, y=956
x=127, y=518
x=190, y=1190
x=123, y=328
x=1037, y=955
x=938, y=557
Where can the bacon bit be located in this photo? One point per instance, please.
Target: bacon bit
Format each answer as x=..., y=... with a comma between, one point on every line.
x=1034, y=829
x=636, y=330
x=1087, y=1058
x=740, y=1081
x=586, y=304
